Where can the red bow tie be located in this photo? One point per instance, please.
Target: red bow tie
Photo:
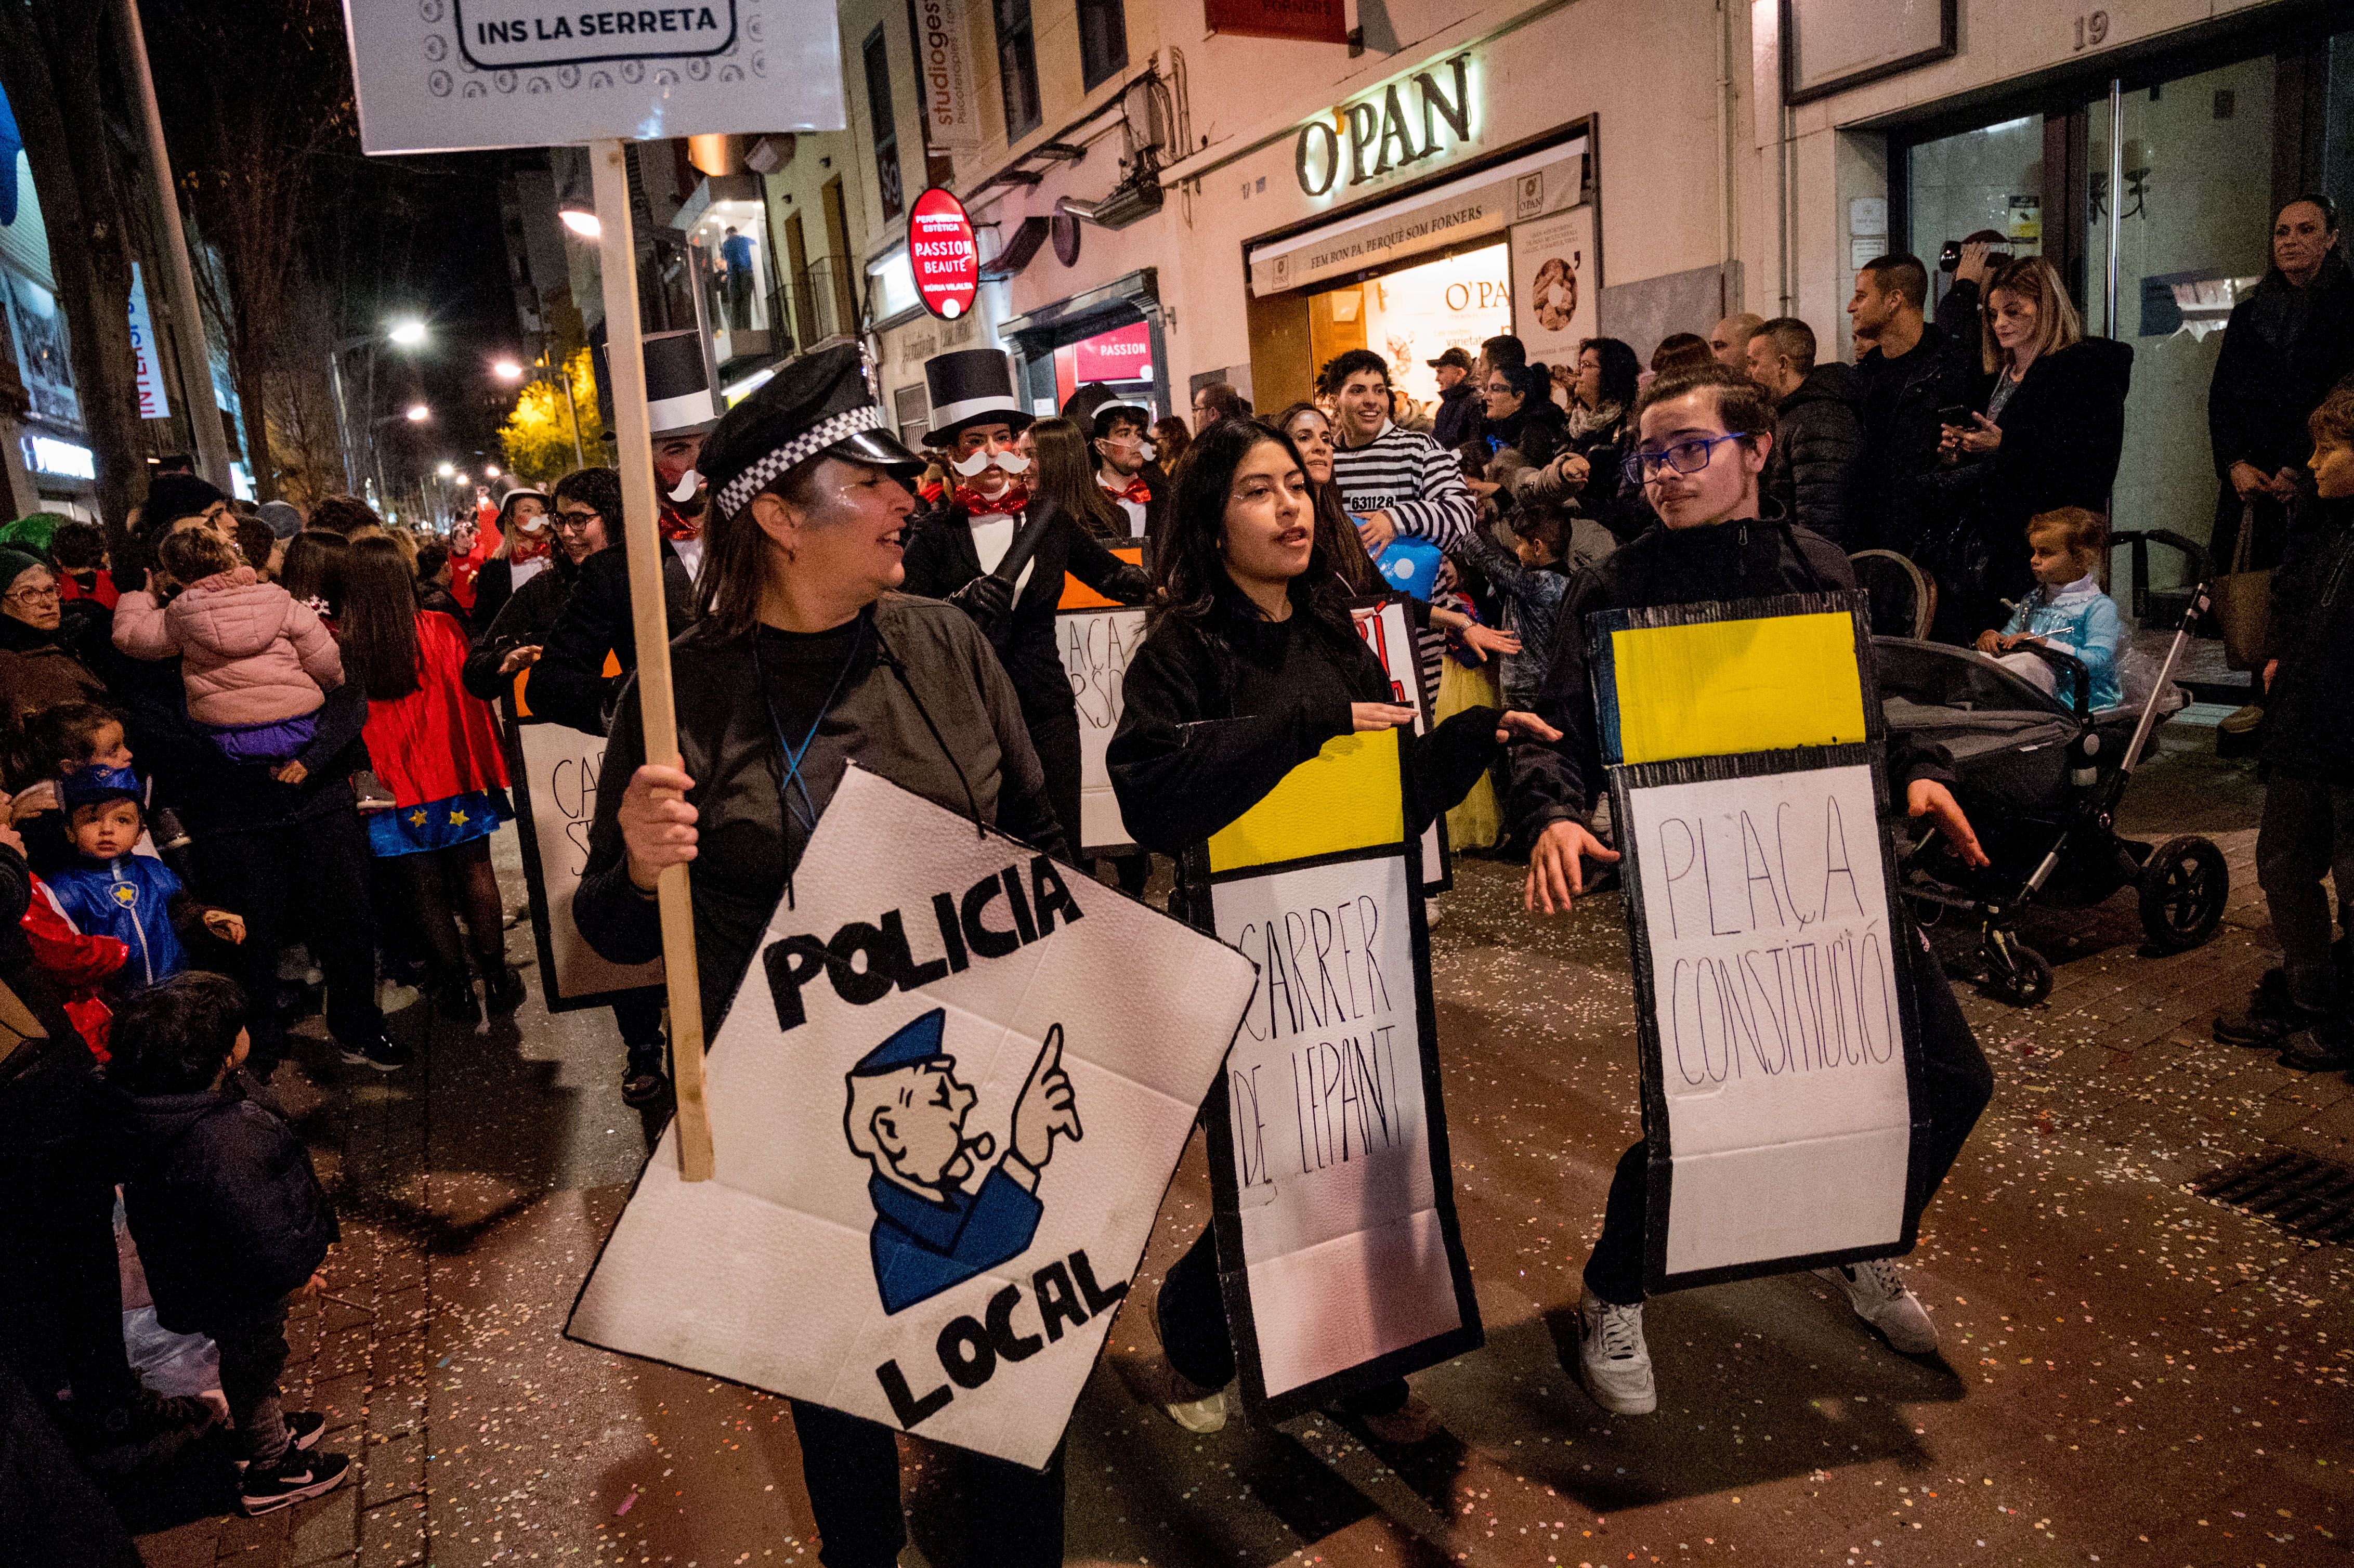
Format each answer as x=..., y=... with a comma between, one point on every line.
x=1137, y=491
x=1010, y=501
x=673, y=526
x=526, y=548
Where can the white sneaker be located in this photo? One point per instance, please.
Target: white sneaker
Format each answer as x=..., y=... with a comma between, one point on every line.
x=1876, y=1290
x=1612, y=1359
x=1200, y=1416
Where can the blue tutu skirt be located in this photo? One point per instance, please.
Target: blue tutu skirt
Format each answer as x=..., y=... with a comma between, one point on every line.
x=438, y=824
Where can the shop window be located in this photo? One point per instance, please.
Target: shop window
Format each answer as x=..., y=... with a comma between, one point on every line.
x=886, y=131
x=1017, y=68
x=1990, y=178
x=1103, y=41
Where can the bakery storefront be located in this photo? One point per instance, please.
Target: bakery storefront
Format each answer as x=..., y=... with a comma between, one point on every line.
x=1489, y=242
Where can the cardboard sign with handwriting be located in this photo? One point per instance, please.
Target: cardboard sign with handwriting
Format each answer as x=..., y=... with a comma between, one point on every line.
x=940, y=1136
x=1339, y=1256
x=1777, y=1029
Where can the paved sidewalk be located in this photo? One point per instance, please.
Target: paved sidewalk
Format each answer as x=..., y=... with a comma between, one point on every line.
x=2130, y=1374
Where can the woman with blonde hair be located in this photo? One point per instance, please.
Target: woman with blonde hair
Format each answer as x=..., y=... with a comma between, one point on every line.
x=2049, y=425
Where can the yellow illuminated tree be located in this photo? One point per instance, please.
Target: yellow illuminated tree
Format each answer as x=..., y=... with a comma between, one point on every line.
x=538, y=435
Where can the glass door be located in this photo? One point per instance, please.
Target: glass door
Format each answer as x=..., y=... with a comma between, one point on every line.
x=2193, y=227
x=1986, y=178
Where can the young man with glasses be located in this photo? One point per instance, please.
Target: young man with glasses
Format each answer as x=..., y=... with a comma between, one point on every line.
x=1706, y=435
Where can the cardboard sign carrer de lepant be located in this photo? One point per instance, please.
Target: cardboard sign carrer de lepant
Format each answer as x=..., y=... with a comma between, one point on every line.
x=1339, y=1257
x=941, y=1135
x=1778, y=1032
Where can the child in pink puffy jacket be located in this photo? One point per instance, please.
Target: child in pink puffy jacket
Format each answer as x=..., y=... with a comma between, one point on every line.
x=256, y=665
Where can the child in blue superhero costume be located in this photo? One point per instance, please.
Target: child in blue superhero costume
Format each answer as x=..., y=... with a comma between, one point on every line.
x=110, y=892
x=906, y=1118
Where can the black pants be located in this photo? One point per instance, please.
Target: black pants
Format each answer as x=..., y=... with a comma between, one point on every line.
x=1955, y=1079
x=1056, y=737
x=2307, y=832
x=309, y=879
x=60, y=1283
x=852, y=1468
x=638, y=1014
x=252, y=1353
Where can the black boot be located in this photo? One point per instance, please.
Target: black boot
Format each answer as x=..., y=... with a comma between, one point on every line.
x=2269, y=1018
x=2324, y=1044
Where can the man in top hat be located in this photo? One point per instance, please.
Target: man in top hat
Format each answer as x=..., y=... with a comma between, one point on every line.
x=984, y=547
x=680, y=411
x=1124, y=464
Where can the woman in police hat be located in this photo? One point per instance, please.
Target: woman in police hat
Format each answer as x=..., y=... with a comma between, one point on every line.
x=964, y=550
x=801, y=660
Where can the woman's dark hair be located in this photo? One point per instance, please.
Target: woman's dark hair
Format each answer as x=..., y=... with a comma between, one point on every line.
x=174, y=1038
x=1336, y=535
x=1190, y=570
x=314, y=567
x=255, y=542
x=431, y=556
x=1171, y=436
x=32, y=747
x=736, y=552
x=1065, y=475
x=1681, y=350
x=342, y=514
x=600, y=490
x=1622, y=370
x=377, y=624
x=2328, y=209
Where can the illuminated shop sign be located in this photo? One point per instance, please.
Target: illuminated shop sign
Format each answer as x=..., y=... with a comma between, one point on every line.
x=47, y=454
x=1411, y=120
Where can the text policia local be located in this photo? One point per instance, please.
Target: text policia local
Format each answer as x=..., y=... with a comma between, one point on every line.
x=1032, y=906
x=970, y=1348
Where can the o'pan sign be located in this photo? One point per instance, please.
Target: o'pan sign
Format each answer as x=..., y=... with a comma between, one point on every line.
x=451, y=75
x=1777, y=1029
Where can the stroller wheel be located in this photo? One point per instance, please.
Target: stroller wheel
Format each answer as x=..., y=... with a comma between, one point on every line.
x=2015, y=972
x=2183, y=886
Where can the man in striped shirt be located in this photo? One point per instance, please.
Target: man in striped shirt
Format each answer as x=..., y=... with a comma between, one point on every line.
x=1394, y=481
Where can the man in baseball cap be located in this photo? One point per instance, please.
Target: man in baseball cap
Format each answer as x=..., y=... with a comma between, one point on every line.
x=1456, y=418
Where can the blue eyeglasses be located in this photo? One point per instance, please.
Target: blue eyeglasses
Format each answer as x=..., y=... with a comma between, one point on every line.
x=1684, y=457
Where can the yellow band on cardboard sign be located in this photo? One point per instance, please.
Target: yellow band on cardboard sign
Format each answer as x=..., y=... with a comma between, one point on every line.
x=1717, y=688
x=1348, y=796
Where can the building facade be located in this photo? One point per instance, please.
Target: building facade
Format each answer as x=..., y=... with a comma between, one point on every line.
x=1166, y=204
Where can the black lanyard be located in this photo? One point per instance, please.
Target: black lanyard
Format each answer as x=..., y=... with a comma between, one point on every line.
x=806, y=811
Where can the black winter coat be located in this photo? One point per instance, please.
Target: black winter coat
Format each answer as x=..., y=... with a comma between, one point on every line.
x=2284, y=349
x=941, y=559
x=226, y=1210
x=2310, y=711
x=569, y=684
x=1816, y=473
x=526, y=619
x=1457, y=418
x=1284, y=689
x=1901, y=400
x=1758, y=558
x=2062, y=432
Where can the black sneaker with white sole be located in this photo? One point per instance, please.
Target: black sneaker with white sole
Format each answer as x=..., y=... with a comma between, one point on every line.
x=296, y=1476
x=304, y=1430
x=385, y=1056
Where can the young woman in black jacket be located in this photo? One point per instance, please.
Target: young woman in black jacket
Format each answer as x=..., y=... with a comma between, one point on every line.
x=1252, y=627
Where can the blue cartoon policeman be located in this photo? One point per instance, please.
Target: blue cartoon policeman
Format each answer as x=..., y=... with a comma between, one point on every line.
x=906, y=1118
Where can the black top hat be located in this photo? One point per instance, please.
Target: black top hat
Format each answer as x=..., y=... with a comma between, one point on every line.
x=678, y=384
x=970, y=386
x=1087, y=405
x=815, y=406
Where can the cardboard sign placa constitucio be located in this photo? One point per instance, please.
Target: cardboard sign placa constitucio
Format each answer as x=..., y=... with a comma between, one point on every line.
x=451, y=75
x=945, y=1103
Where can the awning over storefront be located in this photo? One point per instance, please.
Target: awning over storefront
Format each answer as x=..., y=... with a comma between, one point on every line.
x=1473, y=208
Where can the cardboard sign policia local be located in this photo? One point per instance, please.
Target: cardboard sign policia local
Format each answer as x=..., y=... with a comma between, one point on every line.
x=1338, y=1254
x=1778, y=1034
x=941, y=1134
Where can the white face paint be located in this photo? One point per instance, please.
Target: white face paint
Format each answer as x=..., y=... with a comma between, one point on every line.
x=1007, y=462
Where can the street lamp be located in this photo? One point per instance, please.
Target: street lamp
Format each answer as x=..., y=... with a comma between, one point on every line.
x=507, y=370
x=419, y=413
x=490, y=470
x=446, y=470
x=580, y=217
x=408, y=331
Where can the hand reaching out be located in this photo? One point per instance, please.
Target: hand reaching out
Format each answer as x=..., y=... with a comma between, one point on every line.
x=1556, y=870
x=1927, y=798
x=229, y=926
x=1379, y=715
x=1483, y=641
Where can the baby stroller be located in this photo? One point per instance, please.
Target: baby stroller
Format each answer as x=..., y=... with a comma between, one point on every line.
x=2041, y=777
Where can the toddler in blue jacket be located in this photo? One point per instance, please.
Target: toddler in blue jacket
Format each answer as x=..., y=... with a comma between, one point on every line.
x=110, y=892
x=2067, y=612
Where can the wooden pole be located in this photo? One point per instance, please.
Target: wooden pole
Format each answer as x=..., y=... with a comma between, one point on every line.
x=625, y=363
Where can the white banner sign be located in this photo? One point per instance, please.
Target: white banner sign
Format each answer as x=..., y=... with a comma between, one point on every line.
x=1097, y=647
x=557, y=768
x=450, y=75
x=1765, y=907
x=1385, y=628
x=944, y=73
x=945, y=1103
x=146, y=367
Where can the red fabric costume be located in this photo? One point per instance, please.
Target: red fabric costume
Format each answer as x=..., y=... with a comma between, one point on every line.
x=437, y=741
x=74, y=964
